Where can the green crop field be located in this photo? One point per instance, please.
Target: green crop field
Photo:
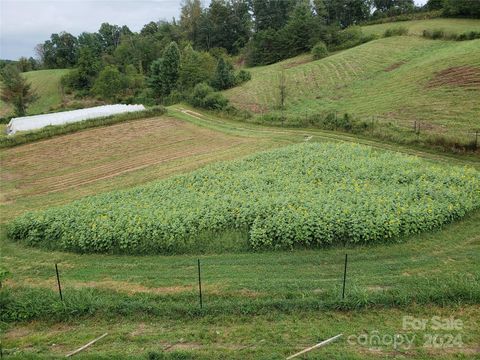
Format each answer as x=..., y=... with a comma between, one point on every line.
x=46, y=84
x=401, y=80
x=305, y=195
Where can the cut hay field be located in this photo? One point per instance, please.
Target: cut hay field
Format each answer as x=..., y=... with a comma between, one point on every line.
x=396, y=80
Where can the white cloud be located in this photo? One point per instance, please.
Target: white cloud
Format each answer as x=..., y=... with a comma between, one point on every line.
x=25, y=23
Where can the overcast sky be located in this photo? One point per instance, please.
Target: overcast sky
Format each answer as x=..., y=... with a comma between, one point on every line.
x=25, y=23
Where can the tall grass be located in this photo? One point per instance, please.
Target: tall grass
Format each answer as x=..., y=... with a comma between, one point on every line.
x=395, y=31
x=369, y=128
x=26, y=304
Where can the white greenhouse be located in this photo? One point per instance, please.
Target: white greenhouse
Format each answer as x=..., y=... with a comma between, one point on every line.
x=34, y=122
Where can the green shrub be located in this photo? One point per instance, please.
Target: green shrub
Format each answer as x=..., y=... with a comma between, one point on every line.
x=471, y=35
x=350, y=37
x=224, y=77
x=205, y=97
x=439, y=34
x=396, y=31
x=434, y=34
x=243, y=76
x=302, y=195
x=319, y=51
x=110, y=83
x=5, y=119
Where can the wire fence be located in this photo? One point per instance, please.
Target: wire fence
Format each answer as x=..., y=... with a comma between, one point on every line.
x=339, y=277
x=419, y=129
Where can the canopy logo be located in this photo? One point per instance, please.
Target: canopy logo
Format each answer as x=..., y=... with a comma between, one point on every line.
x=435, y=332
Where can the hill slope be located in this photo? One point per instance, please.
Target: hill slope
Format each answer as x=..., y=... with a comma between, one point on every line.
x=46, y=83
x=400, y=79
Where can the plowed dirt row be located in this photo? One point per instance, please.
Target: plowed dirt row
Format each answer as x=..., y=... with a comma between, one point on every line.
x=90, y=156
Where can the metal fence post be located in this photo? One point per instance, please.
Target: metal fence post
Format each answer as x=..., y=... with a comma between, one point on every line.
x=58, y=282
x=344, y=276
x=200, y=285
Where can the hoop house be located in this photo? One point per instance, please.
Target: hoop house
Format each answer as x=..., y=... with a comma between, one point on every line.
x=34, y=122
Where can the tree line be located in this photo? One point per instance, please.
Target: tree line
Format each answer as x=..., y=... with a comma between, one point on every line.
x=167, y=60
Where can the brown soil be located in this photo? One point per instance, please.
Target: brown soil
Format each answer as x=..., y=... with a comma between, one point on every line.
x=89, y=156
x=296, y=63
x=256, y=108
x=459, y=76
x=394, y=66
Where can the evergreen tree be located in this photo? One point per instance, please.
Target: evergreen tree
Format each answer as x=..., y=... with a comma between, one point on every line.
x=224, y=75
x=320, y=10
x=299, y=30
x=164, y=72
x=271, y=14
x=16, y=90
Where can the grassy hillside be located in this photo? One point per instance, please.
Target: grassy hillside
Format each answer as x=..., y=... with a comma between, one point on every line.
x=46, y=83
x=416, y=27
x=400, y=79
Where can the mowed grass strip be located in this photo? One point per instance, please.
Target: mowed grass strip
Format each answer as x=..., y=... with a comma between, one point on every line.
x=271, y=336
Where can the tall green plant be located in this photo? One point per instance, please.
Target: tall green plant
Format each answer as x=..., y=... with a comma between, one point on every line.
x=110, y=83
